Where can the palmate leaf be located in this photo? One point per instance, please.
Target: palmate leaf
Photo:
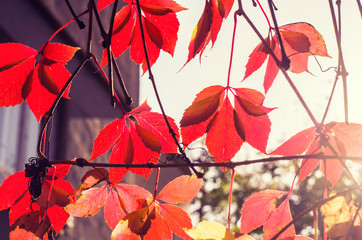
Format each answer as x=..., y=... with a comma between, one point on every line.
x=160, y=26
x=116, y=199
x=344, y=139
x=212, y=113
x=137, y=138
x=208, y=26
x=300, y=40
x=21, y=78
x=154, y=220
x=15, y=194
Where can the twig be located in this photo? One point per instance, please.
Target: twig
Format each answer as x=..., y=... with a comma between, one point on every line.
x=186, y=159
x=81, y=24
x=341, y=66
x=285, y=63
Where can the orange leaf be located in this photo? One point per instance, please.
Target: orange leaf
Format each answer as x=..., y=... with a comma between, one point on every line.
x=181, y=189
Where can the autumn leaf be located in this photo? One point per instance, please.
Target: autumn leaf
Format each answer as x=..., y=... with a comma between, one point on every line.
x=339, y=138
x=117, y=200
x=21, y=78
x=212, y=113
x=138, y=137
x=278, y=220
x=208, y=26
x=160, y=26
x=55, y=194
x=180, y=190
x=258, y=208
x=300, y=41
x=205, y=230
x=339, y=215
x=154, y=220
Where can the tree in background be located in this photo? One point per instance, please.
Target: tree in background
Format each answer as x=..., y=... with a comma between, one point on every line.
x=226, y=117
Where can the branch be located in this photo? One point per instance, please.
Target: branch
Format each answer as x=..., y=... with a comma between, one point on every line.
x=186, y=159
x=341, y=66
x=82, y=162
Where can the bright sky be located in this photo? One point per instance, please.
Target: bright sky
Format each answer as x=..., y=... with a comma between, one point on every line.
x=178, y=89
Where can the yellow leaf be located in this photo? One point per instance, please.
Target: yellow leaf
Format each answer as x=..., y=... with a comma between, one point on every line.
x=338, y=214
x=211, y=231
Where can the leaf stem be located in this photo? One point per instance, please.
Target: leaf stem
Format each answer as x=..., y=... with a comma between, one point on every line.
x=230, y=196
x=232, y=50
x=266, y=17
x=186, y=159
x=156, y=183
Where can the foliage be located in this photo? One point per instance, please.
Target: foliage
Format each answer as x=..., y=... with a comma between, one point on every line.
x=41, y=201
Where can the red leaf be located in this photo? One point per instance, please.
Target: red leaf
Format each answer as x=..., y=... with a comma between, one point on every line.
x=278, y=220
x=113, y=210
x=108, y=137
x=196, y=117
x=258, y=208
x=58, y=217
x=212, y=113
x=16, y=64
x=160, y=29
x=89, y=202
x=128, y=198
x=12, y=189
x=92, y=178
x=300, y=40
x=138, y=137
x=208, y=26
x=344, y=139
x=158, y=229
x=176, y=219
x=180, y=190
x=223, y=147
x=30, y=226
x=122, y=231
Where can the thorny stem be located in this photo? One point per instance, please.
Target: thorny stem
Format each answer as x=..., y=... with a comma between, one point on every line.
x=186, y=159
x=81, y=162
x=81, y=24
x=230, y=196
x=341, y=66
x=314, y=206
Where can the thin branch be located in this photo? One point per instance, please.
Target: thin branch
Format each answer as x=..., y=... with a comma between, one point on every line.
x=81, y=24
x=314, y=206
x=359, y=7
x=341, y=66
x=121, y=81
x=82, y=162
x=186, y=159
x=232, y=178
x=49, y=114
x=285, y=63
